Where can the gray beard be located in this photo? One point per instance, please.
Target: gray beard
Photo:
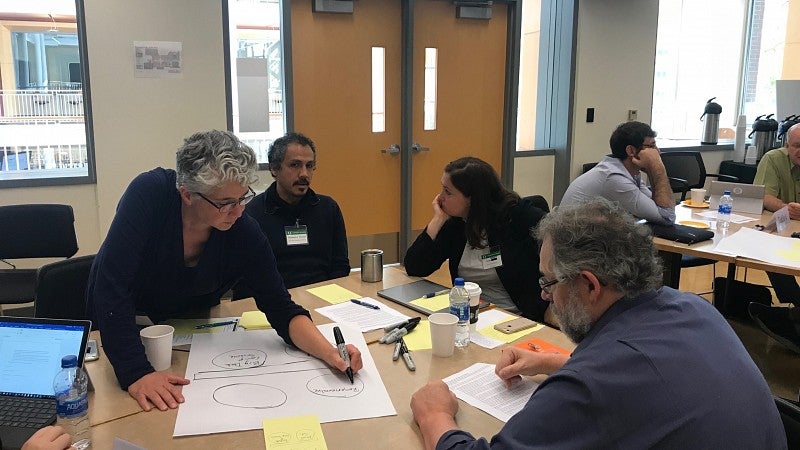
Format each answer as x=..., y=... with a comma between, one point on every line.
x=573, y=317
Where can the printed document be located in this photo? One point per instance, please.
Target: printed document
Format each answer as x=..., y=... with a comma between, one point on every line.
x=479, y=386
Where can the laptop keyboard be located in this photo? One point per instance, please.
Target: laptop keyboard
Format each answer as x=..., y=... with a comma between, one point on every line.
x=26, y=412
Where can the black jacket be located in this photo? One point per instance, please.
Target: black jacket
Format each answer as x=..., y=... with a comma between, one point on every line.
x=519, y=251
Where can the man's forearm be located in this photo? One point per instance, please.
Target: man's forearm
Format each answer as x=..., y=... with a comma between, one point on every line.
x=772, y=203
x=659, y=184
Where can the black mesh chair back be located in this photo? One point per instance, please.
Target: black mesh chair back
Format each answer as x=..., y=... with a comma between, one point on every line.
x=61, y=289
x=686, y=171
x=32, y=231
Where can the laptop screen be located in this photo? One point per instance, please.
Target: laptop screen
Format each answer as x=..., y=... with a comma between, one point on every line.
x=31, y=352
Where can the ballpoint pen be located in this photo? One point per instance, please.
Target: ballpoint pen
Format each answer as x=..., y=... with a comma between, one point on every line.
x=215, y=324
x=368, y=305
x=434, y=294
x=407, y=356
x=337, y=336
x=397, y=348
x=400, y=332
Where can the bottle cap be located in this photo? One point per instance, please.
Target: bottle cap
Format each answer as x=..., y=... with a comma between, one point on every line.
x=458, y=282
x=726, y=193
x=69, y=361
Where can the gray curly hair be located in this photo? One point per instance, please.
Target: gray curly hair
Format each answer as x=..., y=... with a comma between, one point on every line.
x=208, y=159
x=602, y=238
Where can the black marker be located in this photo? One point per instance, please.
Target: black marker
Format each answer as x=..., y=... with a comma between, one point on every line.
x=337, y=335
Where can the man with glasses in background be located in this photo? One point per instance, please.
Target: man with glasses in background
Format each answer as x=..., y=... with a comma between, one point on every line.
x=654, y=367
x=305, y=230
x=178, y=242
x=617, y=177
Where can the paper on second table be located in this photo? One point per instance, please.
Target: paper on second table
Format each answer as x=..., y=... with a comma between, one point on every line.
x=366, y=318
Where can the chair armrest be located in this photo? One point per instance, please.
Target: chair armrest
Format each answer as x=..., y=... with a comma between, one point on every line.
x=723, y=177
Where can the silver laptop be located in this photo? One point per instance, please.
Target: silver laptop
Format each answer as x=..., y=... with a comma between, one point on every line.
x=747, y=198
x=30, y=357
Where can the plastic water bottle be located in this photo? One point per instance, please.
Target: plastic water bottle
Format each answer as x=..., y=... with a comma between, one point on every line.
x=72, y=405
x=459, y=307
x=724, y=210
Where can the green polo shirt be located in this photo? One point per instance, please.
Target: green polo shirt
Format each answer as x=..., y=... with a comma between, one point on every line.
x=779, y=176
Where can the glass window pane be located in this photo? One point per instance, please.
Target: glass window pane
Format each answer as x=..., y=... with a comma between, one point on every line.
x=257, y=73
x=764, y=61
x=42, y=124
x=698, y=55
x=378, y=89
x=528, y=74
x=429, y=107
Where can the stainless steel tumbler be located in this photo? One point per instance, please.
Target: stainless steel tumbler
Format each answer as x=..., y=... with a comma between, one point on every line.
x=372, y=265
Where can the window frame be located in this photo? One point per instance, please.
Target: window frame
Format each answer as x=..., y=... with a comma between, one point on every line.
x=91, y=177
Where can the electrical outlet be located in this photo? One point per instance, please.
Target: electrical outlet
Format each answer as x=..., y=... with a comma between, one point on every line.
x=633, y=114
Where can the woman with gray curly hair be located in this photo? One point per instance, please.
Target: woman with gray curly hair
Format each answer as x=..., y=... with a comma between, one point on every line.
x=178, y=242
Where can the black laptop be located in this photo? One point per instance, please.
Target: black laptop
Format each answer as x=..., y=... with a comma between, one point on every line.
x=30, y=357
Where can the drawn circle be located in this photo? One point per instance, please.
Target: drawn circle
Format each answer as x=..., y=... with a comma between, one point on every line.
x=335, y=385
x=247, y=395
x=240, y=359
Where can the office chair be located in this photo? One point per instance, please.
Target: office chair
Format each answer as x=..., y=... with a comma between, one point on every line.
x=32, y=231
x=61, y=289
x=688, y=167
x=790, y=415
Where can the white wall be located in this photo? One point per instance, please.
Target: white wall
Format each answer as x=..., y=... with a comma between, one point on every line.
x=140, y=122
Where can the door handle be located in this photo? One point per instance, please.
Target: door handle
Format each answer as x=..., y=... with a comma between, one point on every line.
x=393, y=149
x=416, y=148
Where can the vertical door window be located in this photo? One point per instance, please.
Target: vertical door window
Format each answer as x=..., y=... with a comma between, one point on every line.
x=429, y=108
x=378, y=89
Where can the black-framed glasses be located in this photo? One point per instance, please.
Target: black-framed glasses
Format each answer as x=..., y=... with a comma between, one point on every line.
x=226, y=207
x=547, y=285
x=650, y=145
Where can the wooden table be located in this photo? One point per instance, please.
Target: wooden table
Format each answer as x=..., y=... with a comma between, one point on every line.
x=671, y=251
x=114, y=414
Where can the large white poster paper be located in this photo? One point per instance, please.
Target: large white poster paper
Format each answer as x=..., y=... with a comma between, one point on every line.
x=239, y=379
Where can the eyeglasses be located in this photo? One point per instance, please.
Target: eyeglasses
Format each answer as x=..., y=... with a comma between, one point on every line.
x=651, y=145
x=547, y=285
x=228, y=206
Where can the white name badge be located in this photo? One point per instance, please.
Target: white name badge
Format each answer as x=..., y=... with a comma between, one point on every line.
x=491, y=259
x=296, y=235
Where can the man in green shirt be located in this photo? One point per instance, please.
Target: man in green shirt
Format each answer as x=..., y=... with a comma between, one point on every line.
x=779, y=172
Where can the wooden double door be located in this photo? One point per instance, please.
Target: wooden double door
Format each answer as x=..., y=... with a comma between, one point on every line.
x=382, y=191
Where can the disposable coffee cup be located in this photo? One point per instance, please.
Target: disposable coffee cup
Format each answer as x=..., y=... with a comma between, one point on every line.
x=372, y=265
x=698, y=196
x=157, y=340
x=443, y=333
x=474, y=292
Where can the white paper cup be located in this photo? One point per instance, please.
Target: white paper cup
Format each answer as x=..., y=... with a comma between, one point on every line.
x=443, y=333
x=698, y=196
x=157, y=340
x=474, y=292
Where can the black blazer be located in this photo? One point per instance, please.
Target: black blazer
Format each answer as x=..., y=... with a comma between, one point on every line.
x=519, y=251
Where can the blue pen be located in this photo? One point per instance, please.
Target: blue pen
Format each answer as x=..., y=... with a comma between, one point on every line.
x=368, y=305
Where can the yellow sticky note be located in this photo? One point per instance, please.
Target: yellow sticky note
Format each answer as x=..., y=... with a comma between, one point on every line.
x=792, y=254
x=420, y=337
x=490, y=332
x=254, y=320
x=434, y=304
x=333, y=293
x=296, y=433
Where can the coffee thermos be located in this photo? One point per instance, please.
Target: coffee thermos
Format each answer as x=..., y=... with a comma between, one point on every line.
x=784, y=126
x=710, y=120
x=763, y=135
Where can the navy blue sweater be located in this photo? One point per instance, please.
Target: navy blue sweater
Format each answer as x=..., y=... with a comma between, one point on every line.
x=140, y=268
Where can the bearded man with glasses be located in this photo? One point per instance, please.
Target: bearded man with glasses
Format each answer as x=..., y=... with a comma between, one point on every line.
x=178, y=242
x=653, y=368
